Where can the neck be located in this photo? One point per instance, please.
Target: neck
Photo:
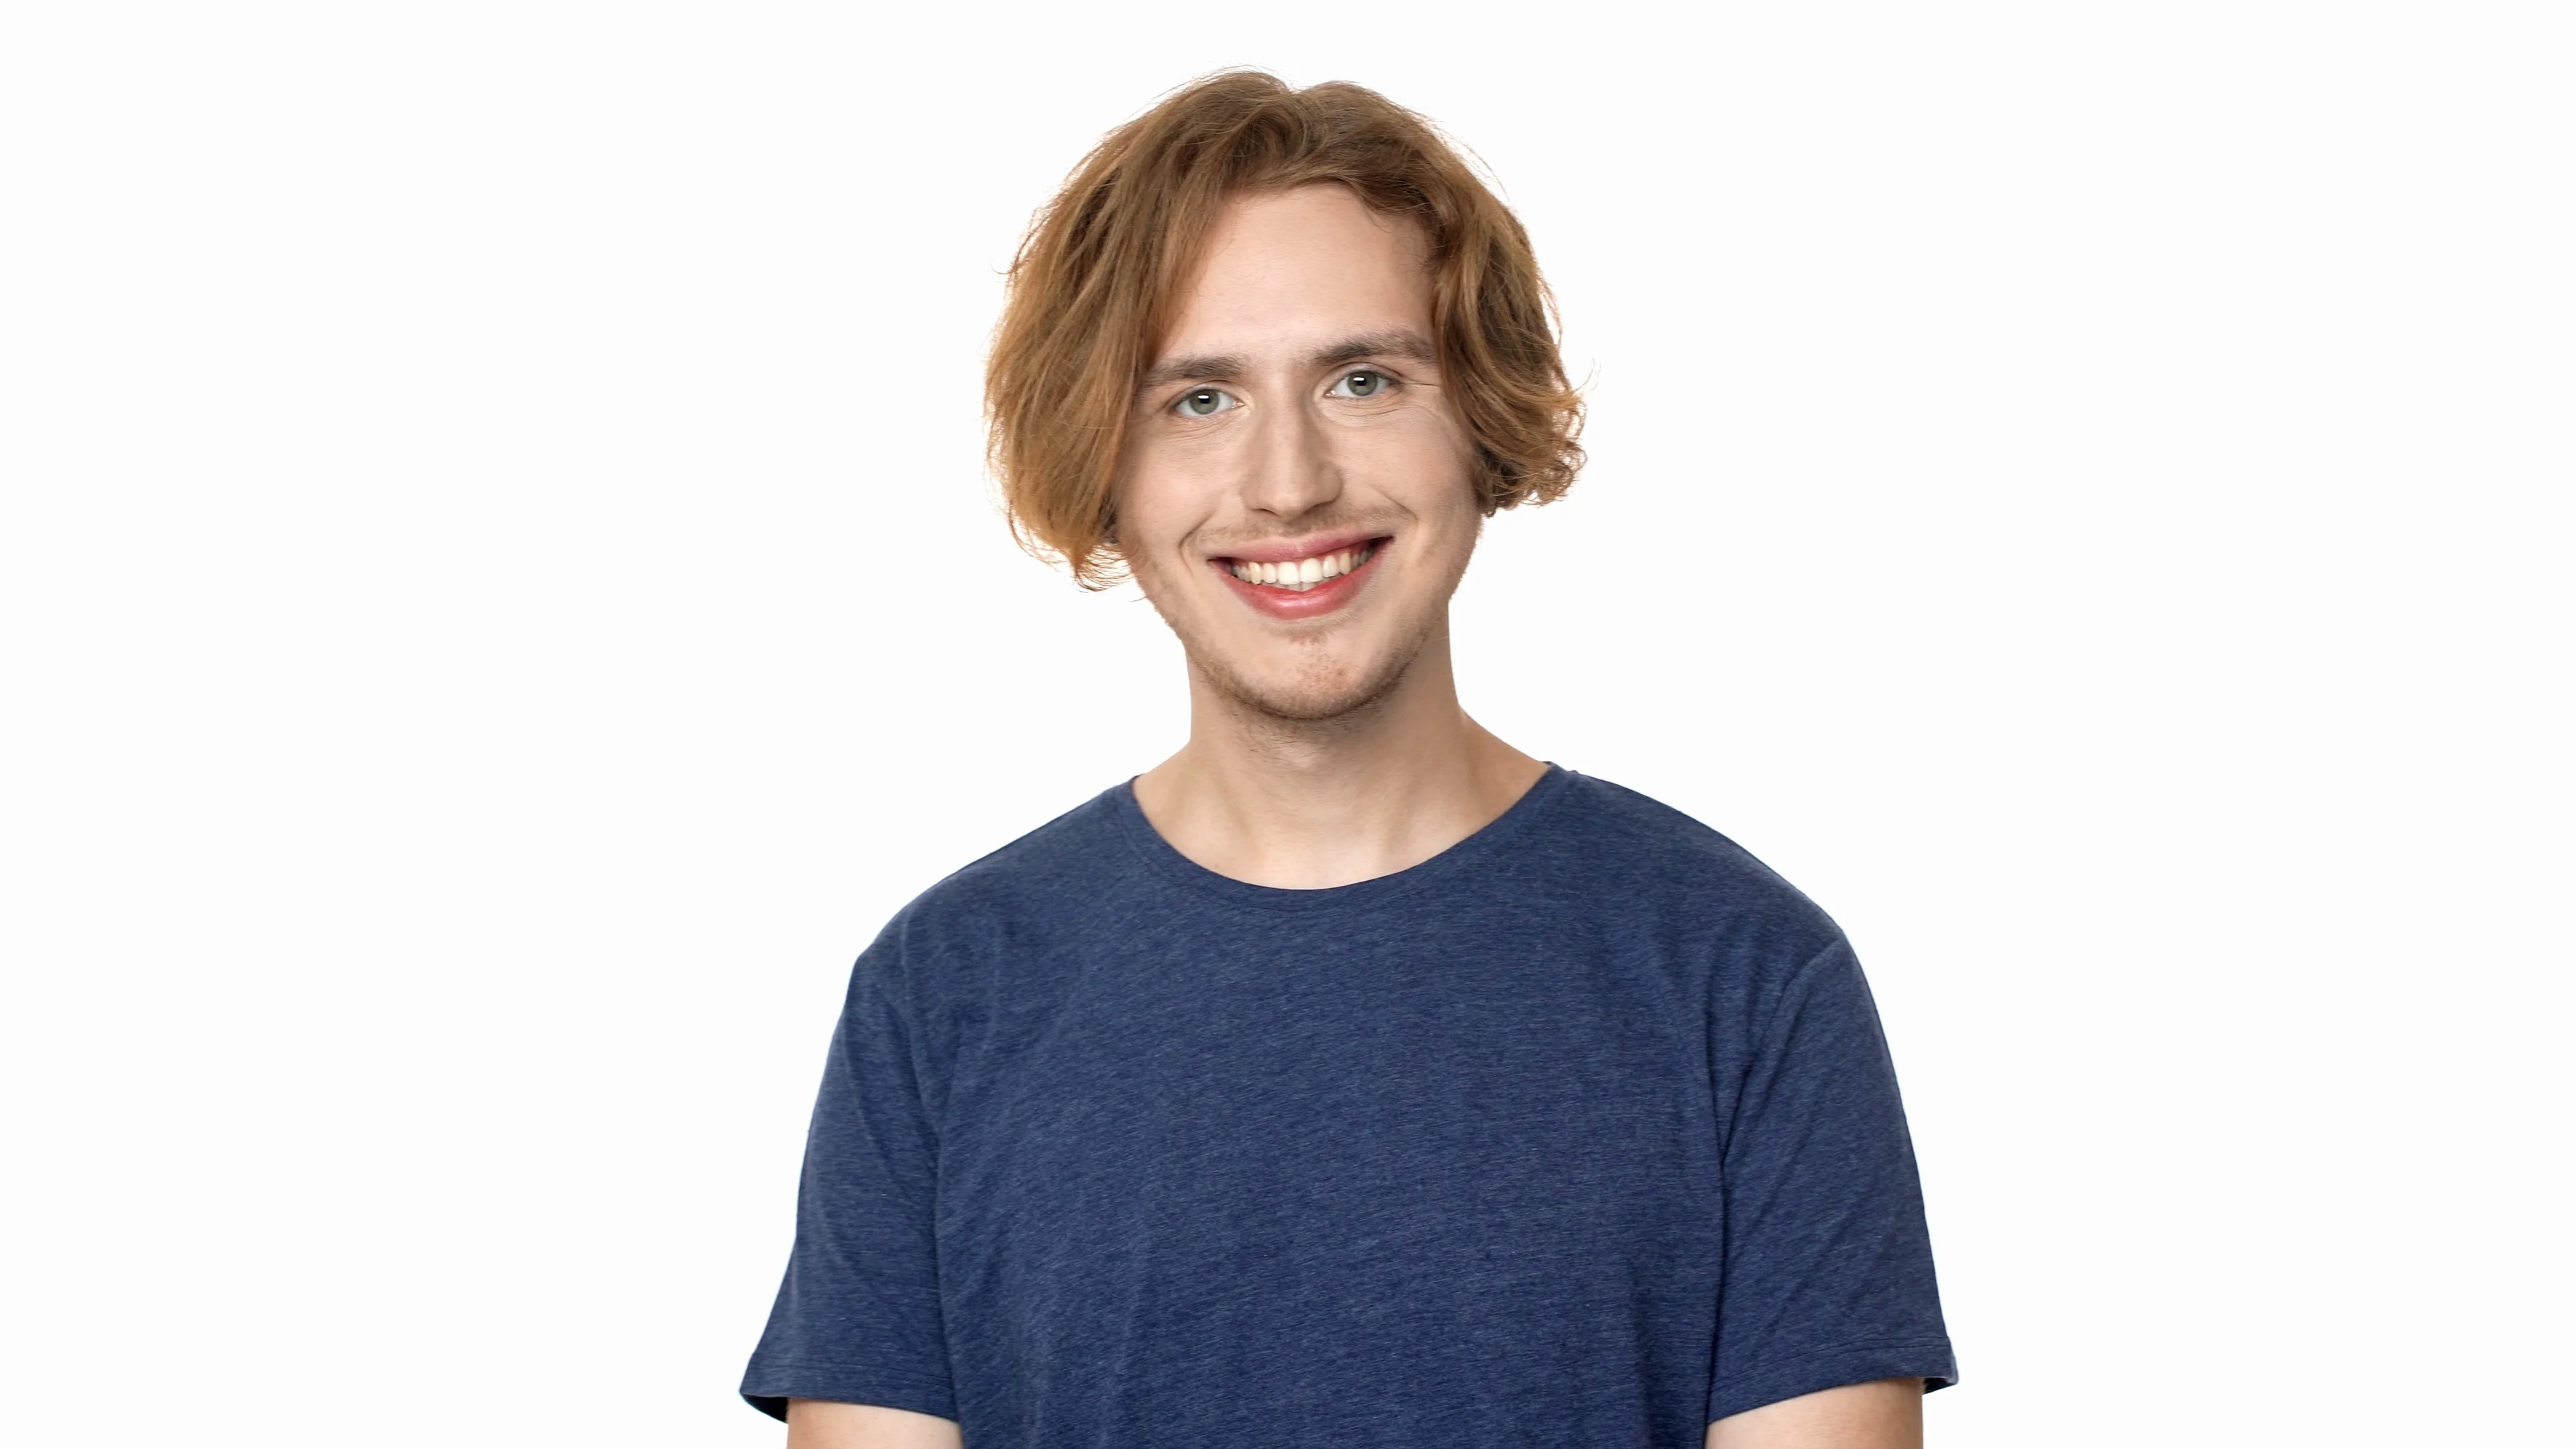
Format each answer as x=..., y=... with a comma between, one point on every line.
x=1306, y=804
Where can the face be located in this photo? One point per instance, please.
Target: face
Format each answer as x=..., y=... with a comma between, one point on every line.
x=1296, y=495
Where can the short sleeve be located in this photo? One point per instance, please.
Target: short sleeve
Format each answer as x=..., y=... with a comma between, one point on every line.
x=858, y=1317
x=1827, y=1278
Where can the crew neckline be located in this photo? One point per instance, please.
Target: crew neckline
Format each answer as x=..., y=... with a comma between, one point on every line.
x=1166, y=861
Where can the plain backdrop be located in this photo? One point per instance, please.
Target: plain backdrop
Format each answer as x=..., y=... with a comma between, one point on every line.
x=499, y=600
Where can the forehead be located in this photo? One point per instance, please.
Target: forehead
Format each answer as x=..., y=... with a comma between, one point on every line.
x=1284, y=270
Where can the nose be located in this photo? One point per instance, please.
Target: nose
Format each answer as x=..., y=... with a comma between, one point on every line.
x=1292, y=471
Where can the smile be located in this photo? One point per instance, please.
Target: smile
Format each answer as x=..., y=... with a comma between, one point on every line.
x=1300, y=574
x=1289, y=585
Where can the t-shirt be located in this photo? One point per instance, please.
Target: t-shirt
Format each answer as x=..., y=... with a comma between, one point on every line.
x=1581, y=1132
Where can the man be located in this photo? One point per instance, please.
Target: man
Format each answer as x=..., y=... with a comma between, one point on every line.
x=1350, y=1077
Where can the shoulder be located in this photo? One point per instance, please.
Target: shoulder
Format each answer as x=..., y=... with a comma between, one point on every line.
x=1659, y=862
x=1061, y=885
x=1068, y=859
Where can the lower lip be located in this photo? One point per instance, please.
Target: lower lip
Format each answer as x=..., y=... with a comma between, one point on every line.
x=1323, y=598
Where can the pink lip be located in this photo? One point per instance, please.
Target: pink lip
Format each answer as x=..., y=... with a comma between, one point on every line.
x=1311, y=547
x=1323, y=598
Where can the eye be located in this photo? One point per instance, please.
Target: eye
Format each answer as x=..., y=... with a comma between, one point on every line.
x=1366, y=382
x=1205, y=402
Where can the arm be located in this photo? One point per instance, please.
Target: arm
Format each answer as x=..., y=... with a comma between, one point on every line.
x=822, y=1424
x=857, y=1321
x=1887, y=1414
x=1826, y=1278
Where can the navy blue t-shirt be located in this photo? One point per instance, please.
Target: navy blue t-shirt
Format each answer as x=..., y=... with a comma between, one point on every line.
x=1580, y=1132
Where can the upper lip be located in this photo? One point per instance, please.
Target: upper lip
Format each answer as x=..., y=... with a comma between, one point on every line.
x=1310, y=546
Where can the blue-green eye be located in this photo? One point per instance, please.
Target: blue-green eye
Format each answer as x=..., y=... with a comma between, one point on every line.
x=1363, y=383
x=1205, y=402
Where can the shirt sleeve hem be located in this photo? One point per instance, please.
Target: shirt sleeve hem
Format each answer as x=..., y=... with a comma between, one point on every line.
x=1927, y=1359
x=769, y=1386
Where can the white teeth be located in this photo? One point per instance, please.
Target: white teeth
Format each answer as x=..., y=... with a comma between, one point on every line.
x=1304, y=573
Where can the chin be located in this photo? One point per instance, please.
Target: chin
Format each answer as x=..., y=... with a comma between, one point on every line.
x=1307, y=697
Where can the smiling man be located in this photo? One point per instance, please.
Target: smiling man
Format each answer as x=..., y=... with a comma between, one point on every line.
x=1350, y=1077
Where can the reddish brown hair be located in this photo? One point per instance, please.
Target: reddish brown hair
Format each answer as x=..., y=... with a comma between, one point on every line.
x=1098, y=276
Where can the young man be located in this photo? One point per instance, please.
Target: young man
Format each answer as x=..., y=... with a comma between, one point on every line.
x=1350, y=1077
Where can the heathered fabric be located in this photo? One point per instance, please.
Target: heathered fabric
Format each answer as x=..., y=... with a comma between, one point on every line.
x=1582, y=1132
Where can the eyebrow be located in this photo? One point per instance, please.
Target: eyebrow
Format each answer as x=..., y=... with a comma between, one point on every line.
x=1401, y=342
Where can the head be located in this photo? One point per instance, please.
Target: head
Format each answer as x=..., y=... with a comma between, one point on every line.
x=1277, y=354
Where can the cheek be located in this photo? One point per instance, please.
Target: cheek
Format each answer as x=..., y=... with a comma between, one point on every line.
x=1421, y=457
x=1156, y=509
x=1431, y=470
x=1144, y=505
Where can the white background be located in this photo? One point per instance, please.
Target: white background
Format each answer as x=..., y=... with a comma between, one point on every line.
x=500, y=601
